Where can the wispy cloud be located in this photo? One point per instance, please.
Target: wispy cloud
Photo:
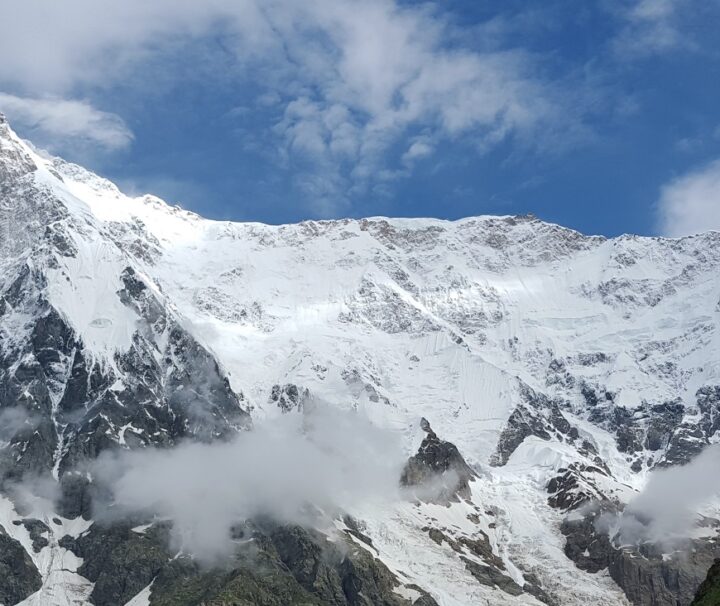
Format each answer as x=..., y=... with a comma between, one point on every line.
x=690, y=204
x=353, y=82
x=59, y=123
x=652, y=27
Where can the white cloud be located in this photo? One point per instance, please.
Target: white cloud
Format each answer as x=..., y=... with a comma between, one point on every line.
x=419, y=148
x=324, y=458
x=351, y=79
x=59, y=123
x=691, y=204
x=382, y=71
x=666, y=511
x=652, y=27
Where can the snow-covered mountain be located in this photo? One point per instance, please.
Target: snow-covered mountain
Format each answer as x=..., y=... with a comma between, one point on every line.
x=561, y=368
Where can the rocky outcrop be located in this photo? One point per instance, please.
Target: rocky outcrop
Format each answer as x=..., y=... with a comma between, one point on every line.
x=18, y=575
x=183, y=583
x=536, y=415
x=650, y=578
x=38, y=531
x=664, y=434
x=491, y=577
x=575, y=485
x=289, y=397
x=121, y=561
x=647, y=575
x=438, y=471
x=590, y=549
x=273, y=565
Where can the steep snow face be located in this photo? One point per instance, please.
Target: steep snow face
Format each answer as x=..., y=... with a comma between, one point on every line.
x=531, y=347
x=90, y=350
x=423, y=317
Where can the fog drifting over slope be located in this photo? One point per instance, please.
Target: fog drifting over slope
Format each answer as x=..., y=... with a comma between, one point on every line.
x=328, y=458
x=667, y=509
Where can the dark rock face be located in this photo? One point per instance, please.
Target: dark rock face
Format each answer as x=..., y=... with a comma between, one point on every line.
x=19, y=577
x=657, y=429
x=289, y=397
x=366, y=581
x=539, y=416
x=664, y=420
x=182, y=583
x=709, y=592
x=534, y=587
x=438, y=466
x=73, y=407
x=521, y=424
x=686, y=443
x=648, y=579
x=708, y=401
x=37, y=530
x=686, y=439
x=591, y=550
x=75, y=496
x=304, y=559
x=652, y=433
x=284, y=565
x=120, y=561
x=691, y=437
x=487, y=575
x=425, y=600
x=575, y=486
x=646, y=576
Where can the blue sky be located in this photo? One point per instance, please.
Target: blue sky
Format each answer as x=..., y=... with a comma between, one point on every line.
x=600, y=115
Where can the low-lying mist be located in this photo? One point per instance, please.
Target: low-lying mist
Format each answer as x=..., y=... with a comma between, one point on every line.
x=15, y=419
x=666, y=511
x=325, y=458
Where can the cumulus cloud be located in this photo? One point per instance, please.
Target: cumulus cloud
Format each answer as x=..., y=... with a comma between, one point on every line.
x=350, y=79
x=667, y=509
x=326, y=459
x=690, y=204
x=59, y=123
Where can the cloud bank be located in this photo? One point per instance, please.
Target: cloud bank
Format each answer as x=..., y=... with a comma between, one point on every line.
x=667, y=509
x=56, y=123
x=287, y=469
x=691, y=203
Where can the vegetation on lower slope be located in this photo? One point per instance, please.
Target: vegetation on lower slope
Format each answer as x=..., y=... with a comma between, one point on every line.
x=273, y=565
x=709, y=592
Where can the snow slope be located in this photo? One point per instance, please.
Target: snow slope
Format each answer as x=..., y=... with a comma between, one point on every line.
x=405, y=318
